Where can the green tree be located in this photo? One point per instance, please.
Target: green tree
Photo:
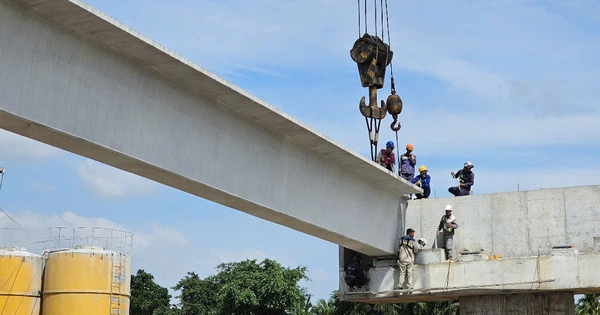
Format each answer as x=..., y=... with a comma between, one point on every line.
x=146, y=295
x=198, y=296
x=421, y=308
x=245, y=287
x=589, y=304
x=322, y=308
x=163, y=310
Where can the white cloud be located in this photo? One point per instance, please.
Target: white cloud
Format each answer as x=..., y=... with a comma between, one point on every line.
x=169, y=235
x=40, y=187
x=111, y=182
x=17, y=147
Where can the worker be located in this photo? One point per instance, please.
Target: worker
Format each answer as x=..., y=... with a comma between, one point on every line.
x=447, y=226
x=423, y=180
x=466, y=179
x=355, y=275
x=406, y=258
x=386, y=157
x=407, y=163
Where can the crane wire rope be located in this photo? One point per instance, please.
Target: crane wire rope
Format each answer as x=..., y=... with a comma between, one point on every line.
x=370, y=121
x=358, y=3
x=389, y=39
x=366, y=20
x=375, y=19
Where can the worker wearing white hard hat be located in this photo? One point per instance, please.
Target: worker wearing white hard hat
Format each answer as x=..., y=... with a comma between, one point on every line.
x=447, y=227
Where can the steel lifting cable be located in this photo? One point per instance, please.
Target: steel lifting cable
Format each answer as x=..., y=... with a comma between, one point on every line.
x=389, y=39
x=358, y=3
x=375, y=19
x=366, y=20
x=381, y=5
x=398, y=152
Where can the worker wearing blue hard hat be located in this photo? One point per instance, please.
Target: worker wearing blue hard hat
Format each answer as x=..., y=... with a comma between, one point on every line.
x=386, y=157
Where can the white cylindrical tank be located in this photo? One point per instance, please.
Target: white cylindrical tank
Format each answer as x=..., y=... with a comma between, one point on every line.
x=86, y=280
x=20, y=281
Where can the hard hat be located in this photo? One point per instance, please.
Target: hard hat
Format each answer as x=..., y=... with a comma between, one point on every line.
x=390, y=144
x=422, y=168
x=448, y=207
x=409, y=146
x=422, y=241
x=469, y=164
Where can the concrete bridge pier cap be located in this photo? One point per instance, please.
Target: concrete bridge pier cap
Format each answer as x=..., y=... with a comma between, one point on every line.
x=526, y=252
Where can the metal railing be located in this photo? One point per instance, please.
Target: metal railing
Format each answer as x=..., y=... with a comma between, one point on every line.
x=63, y=237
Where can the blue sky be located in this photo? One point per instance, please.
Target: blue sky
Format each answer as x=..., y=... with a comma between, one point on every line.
x=509, y=85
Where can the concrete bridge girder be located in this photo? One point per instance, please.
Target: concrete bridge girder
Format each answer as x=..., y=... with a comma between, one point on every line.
x=80, y=81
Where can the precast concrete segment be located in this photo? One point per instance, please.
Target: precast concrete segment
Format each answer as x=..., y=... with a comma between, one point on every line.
x=517, y=224
x=77, y=80
x=554, y=303
x=517, y=242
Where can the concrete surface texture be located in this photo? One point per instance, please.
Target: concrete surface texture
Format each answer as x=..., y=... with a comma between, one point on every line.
x=82, y=82
x=510, y=240
x=515, y=224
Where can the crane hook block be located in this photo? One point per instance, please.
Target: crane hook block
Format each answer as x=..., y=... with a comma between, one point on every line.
x=372, y=56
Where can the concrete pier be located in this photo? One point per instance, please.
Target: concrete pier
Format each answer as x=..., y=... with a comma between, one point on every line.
x=553, y=303
x=528, y=242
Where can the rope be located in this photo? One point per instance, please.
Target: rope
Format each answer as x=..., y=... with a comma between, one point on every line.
x=448, y=276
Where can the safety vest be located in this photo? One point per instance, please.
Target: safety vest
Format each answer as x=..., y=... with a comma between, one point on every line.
x=387, y=160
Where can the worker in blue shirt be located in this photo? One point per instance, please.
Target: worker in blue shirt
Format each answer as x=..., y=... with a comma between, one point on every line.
x=423, y=180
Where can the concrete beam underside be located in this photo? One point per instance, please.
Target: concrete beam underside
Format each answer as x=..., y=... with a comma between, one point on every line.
x=79, y=81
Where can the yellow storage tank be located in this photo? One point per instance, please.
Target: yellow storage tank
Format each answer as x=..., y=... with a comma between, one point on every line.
x=20, y=281
x=86, y=280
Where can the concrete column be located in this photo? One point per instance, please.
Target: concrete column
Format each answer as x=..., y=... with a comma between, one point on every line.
x=553, y=303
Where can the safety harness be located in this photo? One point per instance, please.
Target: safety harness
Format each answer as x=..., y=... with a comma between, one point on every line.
x=388, y=160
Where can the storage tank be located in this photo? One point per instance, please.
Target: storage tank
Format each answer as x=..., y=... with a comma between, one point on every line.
x=86, y=280
x=20, y=281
